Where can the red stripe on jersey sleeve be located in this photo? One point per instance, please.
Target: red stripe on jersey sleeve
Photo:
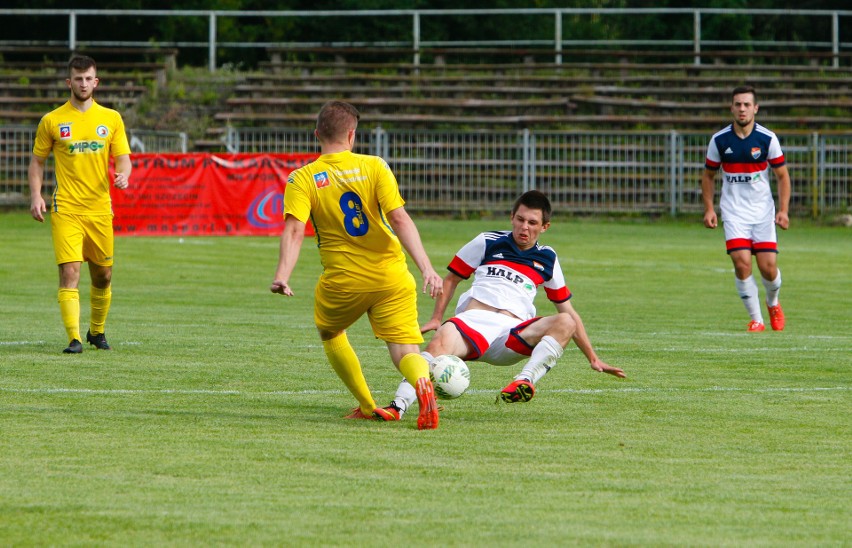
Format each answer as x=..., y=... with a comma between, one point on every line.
x=558, y=295
x=710, y=164
x=458, y=266
x=744, y=168
x=778, y=162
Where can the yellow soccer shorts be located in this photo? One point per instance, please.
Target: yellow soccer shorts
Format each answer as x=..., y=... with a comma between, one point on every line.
x=82, y=238
x=392, y=311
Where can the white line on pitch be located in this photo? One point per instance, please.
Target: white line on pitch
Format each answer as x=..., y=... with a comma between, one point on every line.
x=168, y=391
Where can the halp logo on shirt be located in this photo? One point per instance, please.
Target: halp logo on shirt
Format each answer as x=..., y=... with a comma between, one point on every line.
x=321, y=179
x=755, y=152
x=65, y=132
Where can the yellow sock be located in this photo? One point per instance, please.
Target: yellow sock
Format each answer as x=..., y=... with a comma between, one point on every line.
x=100, y=299
x=413, y=367
x=69, y=309
x=345, y=362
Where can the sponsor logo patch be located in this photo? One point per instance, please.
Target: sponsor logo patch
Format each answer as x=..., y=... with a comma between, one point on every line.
x=321, y=179
x=65, y=132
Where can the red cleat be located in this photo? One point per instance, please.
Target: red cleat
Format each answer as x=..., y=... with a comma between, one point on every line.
x=387, y=414
x=518, y=391
x=755, y=326
x=428, y=418
x=776, y=317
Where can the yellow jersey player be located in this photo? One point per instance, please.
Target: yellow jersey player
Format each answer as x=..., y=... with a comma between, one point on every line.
x=83, y=136
x=361, y=229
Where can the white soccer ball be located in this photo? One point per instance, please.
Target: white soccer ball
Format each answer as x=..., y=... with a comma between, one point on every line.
x=450, y=376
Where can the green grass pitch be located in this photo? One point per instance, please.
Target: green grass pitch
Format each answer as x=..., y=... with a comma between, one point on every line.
x=217, y=420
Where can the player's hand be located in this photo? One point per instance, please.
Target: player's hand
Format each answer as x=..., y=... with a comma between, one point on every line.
x=603, y=367
x=710, y=220
x=121, y=181
x=38, y=208
x=782, y=220
x=281, y=288
x=431, y=325
x=433, y=284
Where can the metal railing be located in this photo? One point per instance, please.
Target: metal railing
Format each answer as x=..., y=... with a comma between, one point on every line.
x=583, y=171
x=554, y=35
x=481, y=172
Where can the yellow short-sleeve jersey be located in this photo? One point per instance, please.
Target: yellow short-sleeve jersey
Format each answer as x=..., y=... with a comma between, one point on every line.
x=346, y=196
x=82, y=144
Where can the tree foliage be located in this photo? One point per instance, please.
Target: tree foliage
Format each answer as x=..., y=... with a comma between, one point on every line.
x=398, y=28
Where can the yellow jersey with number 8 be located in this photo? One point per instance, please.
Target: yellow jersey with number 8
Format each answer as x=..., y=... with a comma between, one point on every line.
x=345, y=196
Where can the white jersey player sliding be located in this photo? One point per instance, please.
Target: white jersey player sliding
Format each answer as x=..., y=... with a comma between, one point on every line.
x=495, y=320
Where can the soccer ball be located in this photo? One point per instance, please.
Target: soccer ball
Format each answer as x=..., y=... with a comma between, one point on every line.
x=450, y=376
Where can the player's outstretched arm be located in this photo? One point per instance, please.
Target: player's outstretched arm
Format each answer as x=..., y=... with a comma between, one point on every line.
x=581, y=339
x=408, y=235
x=451, y=281
x=288, y=255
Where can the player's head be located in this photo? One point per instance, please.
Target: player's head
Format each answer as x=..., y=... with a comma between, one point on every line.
x=81, y=63
x=530, y=217
x=739, y=90
x=744, y=105
x=82, y=77
x=336, y=123
x=534, y=199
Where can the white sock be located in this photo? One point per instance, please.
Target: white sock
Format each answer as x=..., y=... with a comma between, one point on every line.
x=542, y=360
x=772, y=289
x=405, y=394
x=748, y=293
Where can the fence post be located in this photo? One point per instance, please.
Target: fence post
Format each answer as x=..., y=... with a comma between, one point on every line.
x=211, y=43
x=72, y=31
x=416, y=38
x=379, y=144
x=817, y=173
x=674, y=173
x=696, y=36
x=835, y=39
x=526, y=184
x=558, y=37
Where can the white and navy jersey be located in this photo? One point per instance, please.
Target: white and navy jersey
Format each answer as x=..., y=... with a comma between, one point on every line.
x=507, y=277
x=745, y=163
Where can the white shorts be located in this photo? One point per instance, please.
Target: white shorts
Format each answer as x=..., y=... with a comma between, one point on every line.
x=495, y=338
x=756, y=237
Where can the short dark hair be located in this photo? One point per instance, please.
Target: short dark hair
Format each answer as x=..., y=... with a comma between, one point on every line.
x=81, y=63
x=745, y=89
x=336, y=118
x=534, y=199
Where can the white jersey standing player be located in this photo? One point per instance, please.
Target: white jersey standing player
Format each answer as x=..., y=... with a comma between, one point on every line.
x=495, y=320
x=744, y=152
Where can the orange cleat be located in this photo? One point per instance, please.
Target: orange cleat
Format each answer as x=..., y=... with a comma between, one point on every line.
x=358, y=414
x=428, y=418
x=776, y=317
x=755, y=326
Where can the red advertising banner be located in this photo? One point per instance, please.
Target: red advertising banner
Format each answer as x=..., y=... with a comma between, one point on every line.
x=205, y=194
